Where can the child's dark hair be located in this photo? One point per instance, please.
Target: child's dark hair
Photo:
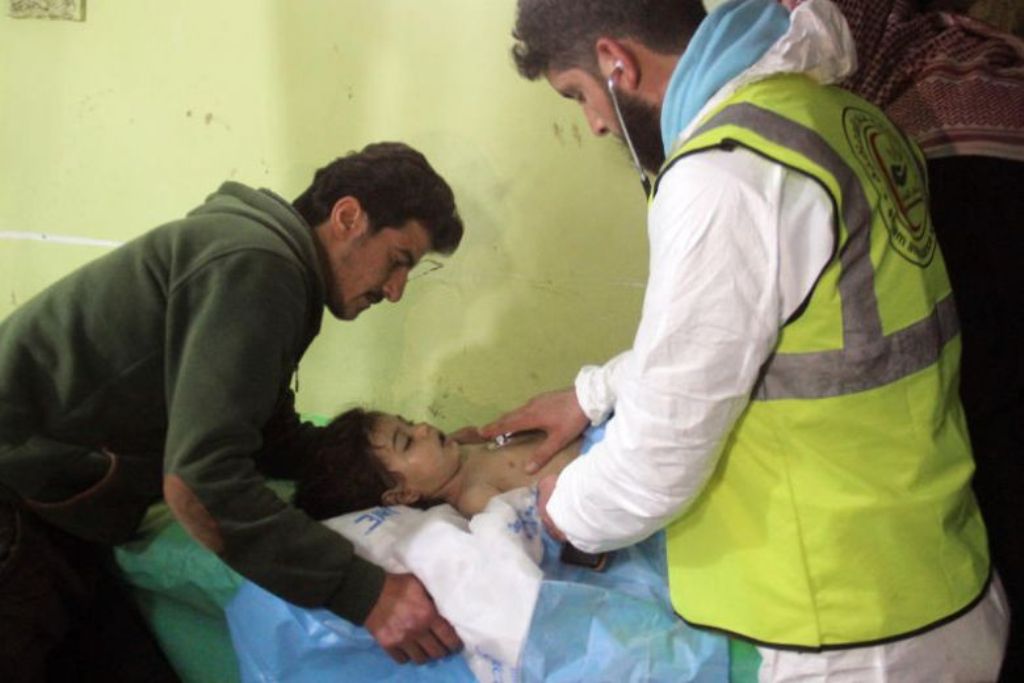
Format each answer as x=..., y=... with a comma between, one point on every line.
x=344, y=474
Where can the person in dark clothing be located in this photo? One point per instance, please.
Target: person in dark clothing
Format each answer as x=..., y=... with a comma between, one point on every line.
x=162, y=370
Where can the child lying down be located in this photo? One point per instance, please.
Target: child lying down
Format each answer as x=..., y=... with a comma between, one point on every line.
x=523, y=615
x=371, y=458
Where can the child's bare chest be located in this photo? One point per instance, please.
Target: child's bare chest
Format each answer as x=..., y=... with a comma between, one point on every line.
x=505, y=468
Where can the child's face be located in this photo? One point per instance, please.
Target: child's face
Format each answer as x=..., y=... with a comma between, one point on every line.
x=421, y=456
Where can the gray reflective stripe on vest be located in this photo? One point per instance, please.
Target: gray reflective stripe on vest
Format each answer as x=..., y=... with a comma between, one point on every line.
x=868, y=358
x=849, y=370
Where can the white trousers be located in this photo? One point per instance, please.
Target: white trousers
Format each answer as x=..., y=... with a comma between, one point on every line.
x=968, y=649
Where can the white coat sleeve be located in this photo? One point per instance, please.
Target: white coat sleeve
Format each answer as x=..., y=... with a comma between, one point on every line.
x=736, y=245
x=596, y=387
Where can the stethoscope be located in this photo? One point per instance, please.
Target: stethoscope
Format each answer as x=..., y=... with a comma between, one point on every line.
x=644, y=180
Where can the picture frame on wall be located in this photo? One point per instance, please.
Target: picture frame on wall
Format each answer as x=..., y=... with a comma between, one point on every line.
x=69, y=10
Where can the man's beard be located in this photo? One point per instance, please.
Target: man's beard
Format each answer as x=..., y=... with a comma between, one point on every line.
x=643, y=121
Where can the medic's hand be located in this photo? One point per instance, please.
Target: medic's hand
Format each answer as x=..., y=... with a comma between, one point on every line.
x=405, y=622
x=557, y=413
x=545, y=487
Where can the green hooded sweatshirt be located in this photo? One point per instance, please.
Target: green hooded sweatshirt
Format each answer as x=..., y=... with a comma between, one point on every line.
x=171, y=357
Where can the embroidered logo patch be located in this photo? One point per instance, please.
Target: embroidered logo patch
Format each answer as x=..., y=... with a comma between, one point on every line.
x=903, y=199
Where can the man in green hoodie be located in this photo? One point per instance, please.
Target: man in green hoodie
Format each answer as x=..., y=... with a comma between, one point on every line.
x=163, y=369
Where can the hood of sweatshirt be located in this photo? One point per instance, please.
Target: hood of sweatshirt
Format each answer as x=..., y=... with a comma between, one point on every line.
x=275, y=213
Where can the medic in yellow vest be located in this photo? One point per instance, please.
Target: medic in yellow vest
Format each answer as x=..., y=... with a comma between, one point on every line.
x=841, y=511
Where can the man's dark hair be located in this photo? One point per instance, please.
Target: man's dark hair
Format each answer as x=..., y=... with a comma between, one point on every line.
x=560, y=34
x=395, y=184
x=344, y=474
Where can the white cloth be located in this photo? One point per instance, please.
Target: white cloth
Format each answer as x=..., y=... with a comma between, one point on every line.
x=736, y=245
x=483, y=574
x=966, y=650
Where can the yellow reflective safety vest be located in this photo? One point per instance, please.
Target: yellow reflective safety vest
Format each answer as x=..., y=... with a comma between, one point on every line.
x=841, y=511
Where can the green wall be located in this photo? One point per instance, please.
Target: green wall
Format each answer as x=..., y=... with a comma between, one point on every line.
x=111, y=126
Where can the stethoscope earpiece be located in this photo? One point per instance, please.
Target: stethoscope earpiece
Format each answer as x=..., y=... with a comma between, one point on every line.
x=644, y=180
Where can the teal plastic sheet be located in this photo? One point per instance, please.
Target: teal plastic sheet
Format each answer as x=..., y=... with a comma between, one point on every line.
x=181, y=589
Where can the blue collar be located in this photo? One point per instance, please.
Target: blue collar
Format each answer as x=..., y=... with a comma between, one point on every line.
x=727, y=42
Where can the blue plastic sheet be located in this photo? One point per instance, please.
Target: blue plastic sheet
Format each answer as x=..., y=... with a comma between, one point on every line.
x=277, y=641
x=616, y=625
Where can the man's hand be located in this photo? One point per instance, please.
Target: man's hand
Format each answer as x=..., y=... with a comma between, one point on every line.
x=545, y=487
x=406, y=624
x=557, y=413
